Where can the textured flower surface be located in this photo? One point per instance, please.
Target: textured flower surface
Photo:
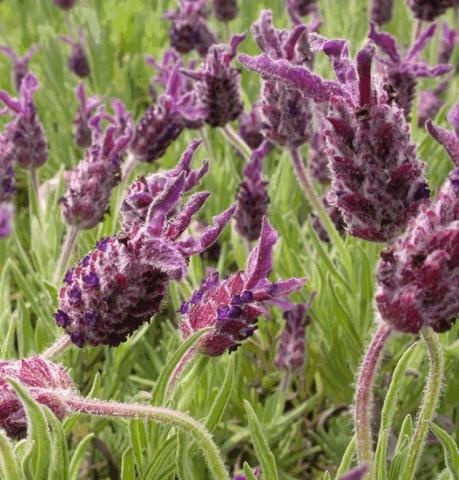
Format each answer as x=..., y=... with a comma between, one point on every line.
x=231, y=306
x=225, y=10
x=417, y=276
x=381, y=11
x=91, y=182
x=252, y=197
x=20, y=64
x=449, y=139
x=25, y=131
x=251, y=126
x=78, y=61
x=429, y=9
x=86, y=108
x=39, y=377
x=120, y=284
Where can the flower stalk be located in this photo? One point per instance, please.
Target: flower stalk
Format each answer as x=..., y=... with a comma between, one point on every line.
x=66, y=252
x=236, y=140
x=59, y=346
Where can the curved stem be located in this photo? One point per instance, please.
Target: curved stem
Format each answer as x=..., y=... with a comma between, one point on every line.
x=67, y=247
x=235, y=139
x=364, y=396
x=157, y=414
x=61, y=344
x=429, y=403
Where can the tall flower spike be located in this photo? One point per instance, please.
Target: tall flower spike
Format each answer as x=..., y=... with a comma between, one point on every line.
x=20, y=64
x=250, y=127
x=91, y=182
x=64, y=4
x=417, y=275
x=86, y=108
x=225, y=10
x=449, y=140
x=40, y=377
x=189, y=29
x=25, y=131
x=145, y=190
x=381, y=11
x=252, y=197
x=219, y=84
x=429, y=10
x=120, y=284
x=78, y=61
x=231, y=306
x=402, y=73
x=377, y=179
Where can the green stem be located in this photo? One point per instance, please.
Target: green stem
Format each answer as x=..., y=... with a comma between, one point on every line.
x=238, y=143
x=66, y=251
x=429, y=403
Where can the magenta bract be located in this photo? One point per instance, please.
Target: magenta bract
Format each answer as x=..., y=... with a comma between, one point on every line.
x=449, y=139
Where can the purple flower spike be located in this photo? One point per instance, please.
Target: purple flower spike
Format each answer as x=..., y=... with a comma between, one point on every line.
x=231, y=306
x=189, y=29
x=40, y=377
x=225, y=10
x=357, y=473
x=64, y=4
x=78, y=61
x=252, y=197
x=219, y=84
x=291, y=349
x=417, y=276
x=120, y=284
x=250, y=127
x=20, y=64
x=91, y=182
x=381, y=11
x=429, y=10
x=449, y=140
x=86, y=108
x=25, y=131
x=402, y=73
x=6, y=219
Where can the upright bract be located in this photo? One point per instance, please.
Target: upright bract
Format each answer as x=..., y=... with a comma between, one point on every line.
x=90, y=183
x=77, y=62
x=449, y=140
x=20, y=64
x=120, y=284
x=225, y=10
x=231, y=306
x=381, y=11
x=429, y=10
x=86, y=108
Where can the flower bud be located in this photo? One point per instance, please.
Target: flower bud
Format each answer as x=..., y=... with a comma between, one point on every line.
x=64, y=4
x=77, y=62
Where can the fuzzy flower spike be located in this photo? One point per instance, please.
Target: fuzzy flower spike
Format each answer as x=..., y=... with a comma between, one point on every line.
x=86, y=108
x=231, y=306
x=381, y=11
x=20, y=64
x=377, y=179
x=120, y=284
x=401, y=73
x=78, y=61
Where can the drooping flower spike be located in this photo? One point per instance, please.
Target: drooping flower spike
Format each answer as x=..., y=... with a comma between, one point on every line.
x=381, y=11
x=20, y=64
x=145, y=190
x=251, y=126
x=225, y=10
x=86, y=108
x=231, y=306
x=78, y=61
x=449, y=139
x=219, y=83
x=429, y=10
x=402, y=72
x=25, y=131
x=91, y=182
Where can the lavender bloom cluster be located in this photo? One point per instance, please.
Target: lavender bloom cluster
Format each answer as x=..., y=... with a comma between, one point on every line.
x=20, y=64
x=64, y=4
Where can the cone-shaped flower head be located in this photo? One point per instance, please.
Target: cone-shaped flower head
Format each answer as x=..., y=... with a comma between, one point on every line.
x=225, y=10
x=231, y=306
x=219, y=83
x=86, y=108
x=251, y=126
x=91, y=182
x=120, y=284
x=449, y=140
x=145, y=190
x=78, y=61
x=429, y=10
x=189, y=29
x=40, y=377
x=25, y=131
x=402, y=72
x=20, y=64
x=64, y=4
x=302, y=8
x=381, y=11
x=291, y=349
x=377, y=178
x=417, y=276
x=252, y=197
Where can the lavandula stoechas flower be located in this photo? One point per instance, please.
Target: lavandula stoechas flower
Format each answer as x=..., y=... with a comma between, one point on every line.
x=402, y=72
x=377, y=178
x=381, y=11
x=231, y=306
x=429, y=10
x=91, y=182
x=40, y=377
x=189, y=29
x=86, y=108
x=145, y=190
x=64, y=4
x=252, y=197
x=120, y=284
x=219, y=83
x=20, y=64
x=25, y=131
x=250, y=127
x=78, y=61
x=225, y=10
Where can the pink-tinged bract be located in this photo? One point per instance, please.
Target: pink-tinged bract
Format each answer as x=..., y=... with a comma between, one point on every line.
x=225, y=10
x=232, y=306
x=78, y=62
x=448, y=139
x=86, y=108
x=40, y=377
x=381, y=11
x=251, y=127
x=20, y=63
x=429, y=10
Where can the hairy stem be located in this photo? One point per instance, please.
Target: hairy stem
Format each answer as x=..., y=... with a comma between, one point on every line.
x=66, y=252
x=60, y=345
x=238, y=143
x=364, y=396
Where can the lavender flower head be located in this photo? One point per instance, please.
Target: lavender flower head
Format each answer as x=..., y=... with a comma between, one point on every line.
x=402, y=73
x=429, y=10
x=189, y=29
x=64, y=4
x=381, y=11
x=25, y=131
x=252, y=197
x=219, y=84
x=250, y=127
x=377, y=179
x=6, y=219
x=91, y=182
x=20, y=64
x=120, y=284
x=78, y=61
x=40, y=377
x=86, y=108
x=225, y=10
x=145, y=190
x=231, y=306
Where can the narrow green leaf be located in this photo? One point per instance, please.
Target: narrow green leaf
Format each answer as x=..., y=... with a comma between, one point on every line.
x=8, y=464
x=450, y=449
x=59, y=461
x=127, y=465
x=248, y=471
x=78, y=457
x=347, y=458
x=182, y=457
